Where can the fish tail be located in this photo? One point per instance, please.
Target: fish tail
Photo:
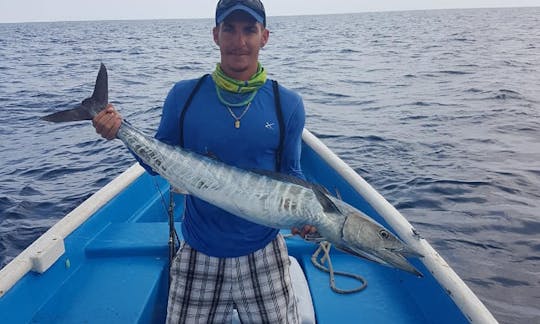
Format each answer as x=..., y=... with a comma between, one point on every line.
x=90, y=106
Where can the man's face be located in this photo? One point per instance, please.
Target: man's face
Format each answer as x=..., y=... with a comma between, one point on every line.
x=240, y=38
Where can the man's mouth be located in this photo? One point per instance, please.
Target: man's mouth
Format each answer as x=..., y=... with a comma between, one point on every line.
x=239, y=53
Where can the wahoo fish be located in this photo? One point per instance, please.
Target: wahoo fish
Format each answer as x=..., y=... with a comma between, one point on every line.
x=265, y=198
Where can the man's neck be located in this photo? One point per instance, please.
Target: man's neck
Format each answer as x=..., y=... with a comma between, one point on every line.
x=240, y=75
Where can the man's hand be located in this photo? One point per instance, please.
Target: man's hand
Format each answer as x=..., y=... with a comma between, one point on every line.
x=107, y=122
x=307, y=229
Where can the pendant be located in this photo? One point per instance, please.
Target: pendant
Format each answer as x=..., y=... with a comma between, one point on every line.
x=236, y=124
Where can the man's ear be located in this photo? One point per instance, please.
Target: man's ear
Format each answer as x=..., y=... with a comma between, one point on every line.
x=215, y=32
x=265, y=36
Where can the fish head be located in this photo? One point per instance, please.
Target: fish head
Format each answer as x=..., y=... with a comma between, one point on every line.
x=362, y=236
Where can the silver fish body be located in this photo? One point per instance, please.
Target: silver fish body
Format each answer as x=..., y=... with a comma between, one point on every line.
x=264, y=200
x=252, y=196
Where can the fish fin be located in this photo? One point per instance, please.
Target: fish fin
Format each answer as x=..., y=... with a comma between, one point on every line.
x=101, y=88
x=320, y=191
x=89, y=106
x=283, y=177
x=75, y=114
x=177, y=190
x=324, y=199
x=212, y=155
x=338, y=194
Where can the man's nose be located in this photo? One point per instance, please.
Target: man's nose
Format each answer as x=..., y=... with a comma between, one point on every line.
x=240, y=38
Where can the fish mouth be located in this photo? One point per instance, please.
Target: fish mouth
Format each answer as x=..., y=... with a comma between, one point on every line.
x=394, y=258
x=406, y=251
x=398, y=259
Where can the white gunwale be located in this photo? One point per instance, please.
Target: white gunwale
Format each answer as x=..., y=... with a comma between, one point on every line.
x=43, y=252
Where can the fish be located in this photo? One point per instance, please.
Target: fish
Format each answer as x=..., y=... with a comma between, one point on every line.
x=264, y=197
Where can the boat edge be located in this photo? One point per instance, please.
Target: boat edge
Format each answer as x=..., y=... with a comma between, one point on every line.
x=463, y=296
x=49, y=247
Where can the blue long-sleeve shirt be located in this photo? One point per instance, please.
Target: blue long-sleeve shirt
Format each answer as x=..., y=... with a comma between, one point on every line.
x=209, y=129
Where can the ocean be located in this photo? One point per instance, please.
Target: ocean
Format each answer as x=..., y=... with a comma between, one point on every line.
x=439, y=110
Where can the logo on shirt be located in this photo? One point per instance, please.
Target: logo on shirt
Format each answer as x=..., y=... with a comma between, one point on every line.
x=269, y=125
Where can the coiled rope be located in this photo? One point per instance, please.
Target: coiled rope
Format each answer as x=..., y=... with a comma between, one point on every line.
x=325, y=247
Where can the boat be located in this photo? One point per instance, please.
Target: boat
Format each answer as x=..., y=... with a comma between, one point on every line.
x=107, y=261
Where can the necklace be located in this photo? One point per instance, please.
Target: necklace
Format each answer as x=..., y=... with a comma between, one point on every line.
x=237, y=118
x=244, y=98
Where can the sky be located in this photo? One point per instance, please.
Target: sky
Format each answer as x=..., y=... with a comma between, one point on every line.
x=69, y=10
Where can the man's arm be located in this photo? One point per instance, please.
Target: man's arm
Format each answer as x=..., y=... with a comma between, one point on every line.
x=292, y=151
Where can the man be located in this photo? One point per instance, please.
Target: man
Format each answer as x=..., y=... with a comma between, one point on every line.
x=226, y=262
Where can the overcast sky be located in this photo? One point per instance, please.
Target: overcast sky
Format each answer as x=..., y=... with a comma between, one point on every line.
x=60, y=10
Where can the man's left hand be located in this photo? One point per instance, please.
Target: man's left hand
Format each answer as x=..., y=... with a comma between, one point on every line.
x=307, y=229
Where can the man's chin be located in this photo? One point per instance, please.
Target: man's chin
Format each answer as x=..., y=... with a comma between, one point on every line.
x=238, y=68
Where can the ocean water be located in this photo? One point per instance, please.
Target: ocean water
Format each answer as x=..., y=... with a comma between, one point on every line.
x=438, y=110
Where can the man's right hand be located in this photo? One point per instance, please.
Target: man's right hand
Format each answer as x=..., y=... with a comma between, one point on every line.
x=107, y=122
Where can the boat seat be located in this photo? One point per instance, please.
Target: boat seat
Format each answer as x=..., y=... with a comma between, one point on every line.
x=301, y=292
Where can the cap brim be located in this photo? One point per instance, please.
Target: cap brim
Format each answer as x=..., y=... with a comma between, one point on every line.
x=241, y=7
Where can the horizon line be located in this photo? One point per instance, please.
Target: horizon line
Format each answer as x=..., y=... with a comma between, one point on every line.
x=277, y=16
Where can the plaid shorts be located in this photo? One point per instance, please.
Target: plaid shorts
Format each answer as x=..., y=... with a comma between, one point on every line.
x=205, y=289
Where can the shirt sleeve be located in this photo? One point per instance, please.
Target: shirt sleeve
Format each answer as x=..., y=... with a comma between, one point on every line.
x=292, y=145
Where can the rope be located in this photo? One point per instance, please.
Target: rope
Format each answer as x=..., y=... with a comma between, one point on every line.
x=174, y=240
x=325, y=247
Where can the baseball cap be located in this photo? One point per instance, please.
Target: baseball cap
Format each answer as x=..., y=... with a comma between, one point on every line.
x=254, y=8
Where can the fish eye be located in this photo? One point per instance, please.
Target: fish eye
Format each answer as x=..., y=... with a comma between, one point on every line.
x=384, y=234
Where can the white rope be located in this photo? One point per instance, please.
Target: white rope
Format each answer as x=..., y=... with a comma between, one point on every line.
x=325, y=247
